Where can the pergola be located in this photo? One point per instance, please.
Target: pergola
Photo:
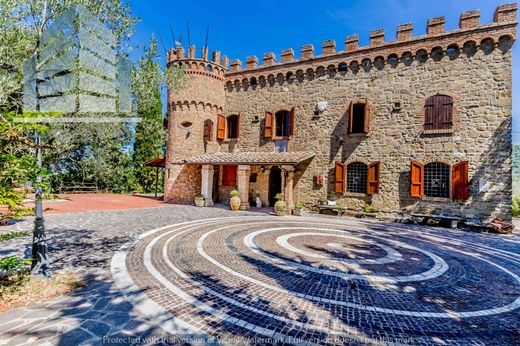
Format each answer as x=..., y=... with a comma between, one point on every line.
x=157, y=163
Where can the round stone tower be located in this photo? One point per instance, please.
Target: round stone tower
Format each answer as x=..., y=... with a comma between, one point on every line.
x=193, y=107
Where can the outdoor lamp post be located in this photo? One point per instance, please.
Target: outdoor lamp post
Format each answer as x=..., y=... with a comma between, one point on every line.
x=40, y=260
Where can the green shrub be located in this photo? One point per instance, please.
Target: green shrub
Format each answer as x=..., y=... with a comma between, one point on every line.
x=11, y=235
x=280, y=197
x=516, y=205
x=234, y=193
x=12, y=264
x=299, y=205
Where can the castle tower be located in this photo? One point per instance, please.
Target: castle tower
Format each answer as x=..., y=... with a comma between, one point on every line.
x=193, y=107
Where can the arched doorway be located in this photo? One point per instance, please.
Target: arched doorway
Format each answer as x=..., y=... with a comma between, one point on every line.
x=275, y=184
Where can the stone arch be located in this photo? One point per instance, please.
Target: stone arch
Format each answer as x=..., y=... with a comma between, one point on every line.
x=366, y=64
x=469, y=48
x=310, y=74
x=505, y=42
x=379, y=62
x=487, y=45
x=422, y=55
x=437, y=53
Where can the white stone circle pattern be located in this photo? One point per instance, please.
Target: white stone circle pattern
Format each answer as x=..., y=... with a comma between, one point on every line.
x=153, y=252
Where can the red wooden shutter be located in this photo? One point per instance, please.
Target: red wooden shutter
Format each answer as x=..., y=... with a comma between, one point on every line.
x=373, y=178
x=291, y=122
x=368, y=113
x=416, y=180
x=221, y=127
x=350, y=117
x=208, y=130
x=460, y=181
x=341, y=174
x=229, y=175
x=238, y=125
x=268, y=125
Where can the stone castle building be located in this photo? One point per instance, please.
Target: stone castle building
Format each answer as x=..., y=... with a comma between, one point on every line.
x=422, y=122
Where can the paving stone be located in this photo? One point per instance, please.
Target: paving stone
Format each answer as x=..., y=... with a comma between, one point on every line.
x=229, y=282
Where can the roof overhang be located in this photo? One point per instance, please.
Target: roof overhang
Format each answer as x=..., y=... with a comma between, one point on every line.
x=246, y=158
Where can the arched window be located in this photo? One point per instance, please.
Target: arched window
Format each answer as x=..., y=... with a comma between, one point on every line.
x=357, y=173
x=233, y=126
x=438, y=113
x=437, y=180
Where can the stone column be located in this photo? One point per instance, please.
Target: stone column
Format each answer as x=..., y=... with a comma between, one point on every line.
x=206, y=189
x=243, y=173
x=289, y=188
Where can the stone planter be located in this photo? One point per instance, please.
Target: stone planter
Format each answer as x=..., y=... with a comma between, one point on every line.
x=199, y=202
x=279, y=208
x=298, y=212
x=234, y=203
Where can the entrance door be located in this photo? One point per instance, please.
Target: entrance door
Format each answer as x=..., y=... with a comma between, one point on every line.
x=275, y=184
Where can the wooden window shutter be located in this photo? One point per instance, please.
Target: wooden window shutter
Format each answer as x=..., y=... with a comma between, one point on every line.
x=429, y=116
x=373, y=178
x=221, y=127
x=341, y=174
x=368, y=116
x=268, y=125
x=350, y=117
x=291, y=122
x=416, y=179
x=208, y=130
x=460, y=181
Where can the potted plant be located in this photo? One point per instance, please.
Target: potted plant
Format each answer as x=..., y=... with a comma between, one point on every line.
x=199, y=201
x=298, y=208
x=234, y=201
x=279, y=206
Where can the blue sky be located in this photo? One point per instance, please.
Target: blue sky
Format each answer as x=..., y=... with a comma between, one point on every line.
x=242, y=28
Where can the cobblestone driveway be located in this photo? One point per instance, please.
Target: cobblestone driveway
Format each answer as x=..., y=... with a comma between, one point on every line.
x=200, y=272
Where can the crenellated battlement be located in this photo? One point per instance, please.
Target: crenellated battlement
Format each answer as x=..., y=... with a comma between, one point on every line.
x=202, y=65
x=406, y=46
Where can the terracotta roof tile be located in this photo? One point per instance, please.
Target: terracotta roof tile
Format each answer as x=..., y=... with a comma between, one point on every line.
x=246, y=158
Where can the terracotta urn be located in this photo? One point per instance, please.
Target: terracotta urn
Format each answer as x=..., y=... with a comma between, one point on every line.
x=234, y=201
x=279, y=206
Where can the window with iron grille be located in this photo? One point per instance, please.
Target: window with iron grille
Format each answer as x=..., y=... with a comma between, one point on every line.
x=357, y=173
x=437, y=180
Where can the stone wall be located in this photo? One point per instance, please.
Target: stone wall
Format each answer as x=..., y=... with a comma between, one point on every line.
x=478, y=78
x=182, y=183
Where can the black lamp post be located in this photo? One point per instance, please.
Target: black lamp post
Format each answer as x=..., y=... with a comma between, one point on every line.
x=40, y=260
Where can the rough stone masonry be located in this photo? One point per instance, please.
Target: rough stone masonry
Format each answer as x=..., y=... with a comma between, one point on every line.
x=414, y=152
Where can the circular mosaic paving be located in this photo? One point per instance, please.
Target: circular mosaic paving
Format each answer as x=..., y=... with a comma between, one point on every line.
x=297, y=280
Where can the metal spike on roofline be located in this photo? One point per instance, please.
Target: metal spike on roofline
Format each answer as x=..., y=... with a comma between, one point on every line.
x=207, y=35
x=189, y=37
x=162, y=43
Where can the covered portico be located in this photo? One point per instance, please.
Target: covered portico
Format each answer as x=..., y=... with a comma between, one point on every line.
x=253, y=175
